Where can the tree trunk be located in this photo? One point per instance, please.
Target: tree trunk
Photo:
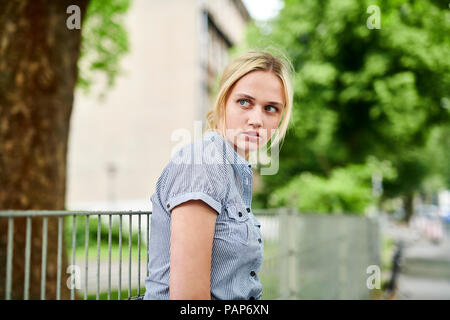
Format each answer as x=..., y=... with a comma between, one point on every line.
x=38, y=73
x=408, y=205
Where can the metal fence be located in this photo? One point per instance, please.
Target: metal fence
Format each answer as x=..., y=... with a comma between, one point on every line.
x=72, y=218
x=306, y=256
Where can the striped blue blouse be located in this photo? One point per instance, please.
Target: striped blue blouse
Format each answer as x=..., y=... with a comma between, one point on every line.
x=212, y=171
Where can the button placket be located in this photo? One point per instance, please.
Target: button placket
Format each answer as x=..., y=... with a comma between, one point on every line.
x=256, y=229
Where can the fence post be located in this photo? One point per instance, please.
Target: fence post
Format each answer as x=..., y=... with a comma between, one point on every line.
x=287, y=246
x=292, y=258
x=344, y=260
x=283, y=224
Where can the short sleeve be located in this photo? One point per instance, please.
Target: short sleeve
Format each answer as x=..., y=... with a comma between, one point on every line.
x=186, y=180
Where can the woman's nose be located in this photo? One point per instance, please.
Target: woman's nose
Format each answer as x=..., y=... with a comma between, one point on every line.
x=256, y=117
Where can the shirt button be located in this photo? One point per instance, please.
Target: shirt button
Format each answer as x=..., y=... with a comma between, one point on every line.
x=259, y=240
x=168, y=205
x=240, y=214
x=252, y=298
x=249, y=165
x=252, y=273
x=248, y=209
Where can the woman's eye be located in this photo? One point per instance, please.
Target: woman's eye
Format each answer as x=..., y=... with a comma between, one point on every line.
x=243, y=101
x=275, y=109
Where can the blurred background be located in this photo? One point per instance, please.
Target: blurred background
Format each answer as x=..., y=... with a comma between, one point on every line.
x=90, y=99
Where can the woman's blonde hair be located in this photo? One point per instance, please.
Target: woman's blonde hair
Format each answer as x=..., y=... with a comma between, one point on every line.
x=235, y=70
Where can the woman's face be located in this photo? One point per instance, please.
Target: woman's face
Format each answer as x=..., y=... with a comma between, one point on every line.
x=254, y=106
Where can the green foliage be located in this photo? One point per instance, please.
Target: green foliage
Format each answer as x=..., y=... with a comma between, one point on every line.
x=346, y=190
x=104, y=232
x=104, y=42
x=361, y=92
x=437, y=157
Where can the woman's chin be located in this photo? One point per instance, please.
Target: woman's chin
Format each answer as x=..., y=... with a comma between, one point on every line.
x=248, y=146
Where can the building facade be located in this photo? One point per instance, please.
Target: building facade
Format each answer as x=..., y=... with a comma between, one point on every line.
x=119, y=146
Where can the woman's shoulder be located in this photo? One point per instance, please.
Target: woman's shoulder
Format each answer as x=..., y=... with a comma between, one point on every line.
x=196, y=170
x=203, y=152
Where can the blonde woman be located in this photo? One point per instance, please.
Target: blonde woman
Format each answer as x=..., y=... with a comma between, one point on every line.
x=205, y=242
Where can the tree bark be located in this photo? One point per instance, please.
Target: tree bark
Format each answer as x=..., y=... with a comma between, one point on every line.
x=38, y=73
x=408, y=205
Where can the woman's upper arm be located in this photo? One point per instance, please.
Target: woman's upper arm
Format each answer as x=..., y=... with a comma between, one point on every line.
x=191, y=239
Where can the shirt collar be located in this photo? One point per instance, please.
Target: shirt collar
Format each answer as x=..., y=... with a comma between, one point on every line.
x=232, y=156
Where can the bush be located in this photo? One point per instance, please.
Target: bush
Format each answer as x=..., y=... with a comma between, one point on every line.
x=93, y=220
x=346, y=190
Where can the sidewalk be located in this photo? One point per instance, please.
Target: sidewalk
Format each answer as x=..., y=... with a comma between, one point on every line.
x=425, y=271
x=104, y=279
x=425, y=266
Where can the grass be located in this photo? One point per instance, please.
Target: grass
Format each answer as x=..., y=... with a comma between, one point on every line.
x=115, y=294
x=387, y=252
x=80, y=252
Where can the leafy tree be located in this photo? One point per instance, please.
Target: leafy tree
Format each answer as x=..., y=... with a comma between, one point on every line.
x=435, y=159
x=360, y=91
x=348, y=189
x=38, y=73
x=104, y=43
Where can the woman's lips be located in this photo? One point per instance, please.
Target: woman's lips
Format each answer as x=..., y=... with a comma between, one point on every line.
x=251, y=137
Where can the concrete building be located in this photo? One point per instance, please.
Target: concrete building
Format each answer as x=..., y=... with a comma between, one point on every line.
x=119, y=146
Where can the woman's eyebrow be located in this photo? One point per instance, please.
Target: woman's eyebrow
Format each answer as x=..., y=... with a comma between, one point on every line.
x=251, y=98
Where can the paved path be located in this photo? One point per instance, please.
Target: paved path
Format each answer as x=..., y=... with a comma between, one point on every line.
x=425, y=267
x=104, y=279
x=425, y=271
